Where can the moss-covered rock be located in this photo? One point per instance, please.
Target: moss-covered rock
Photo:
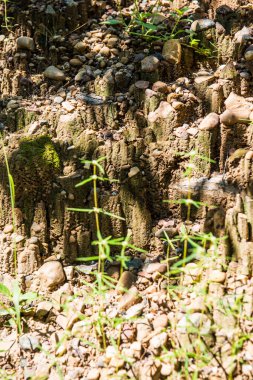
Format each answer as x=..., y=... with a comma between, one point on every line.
x=38, y=152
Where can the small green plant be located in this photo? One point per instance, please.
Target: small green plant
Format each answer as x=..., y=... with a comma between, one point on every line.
x=103, y=283
x=206, y=49
x=179, y=19
x=96, y=210
x=142, y=23
x=16, y=304
x=6, y=18
x=189, y=202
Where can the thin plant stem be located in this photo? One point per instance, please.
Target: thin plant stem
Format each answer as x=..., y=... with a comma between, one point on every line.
x=12, y=195
x=101, y=253
x=6, y=15
x=95, y=195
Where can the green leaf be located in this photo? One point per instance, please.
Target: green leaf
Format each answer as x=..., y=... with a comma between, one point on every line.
x=112, y=215
x=112, y=22
x=136, y=248
x=12, y=189
x=29, y=296
x=84, y=182
x=147, y=25
x=89, y=210
x=5, y=291
x=145, y=14
x=185, y=20
x=107, y=179
x=91, y=258
x=184, y=261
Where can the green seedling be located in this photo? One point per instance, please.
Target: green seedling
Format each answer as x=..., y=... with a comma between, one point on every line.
x=7, y=19
x=103, y=283
x=141, y=23
x=16, y=304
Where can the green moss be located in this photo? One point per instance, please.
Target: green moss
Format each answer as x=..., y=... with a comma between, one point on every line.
x=24, y=117
x=50, y=156
x=39, y=151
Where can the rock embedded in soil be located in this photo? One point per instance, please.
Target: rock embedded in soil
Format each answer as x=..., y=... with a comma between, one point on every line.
x=135, y=350
x=227, y=71
x=58, y=100
x=242, y=35
x=93, y=374
x=133, y=172
x=132, y=297
x=143, y=330
x=125, y=282
x=158, y=341
x=7, y=343
x=51, y=275
x=29, y=260
x=113, y=271
x=149, y=64
x=75, y=62
x=43, y=309
x=160, y=87
x=238, y=109
x=80, y=47
x=117, y=362
x=141, y=84
x=105, y=51
x=166, y=369
x=29, y=342
x=25, y=43
x=198, y=305
x=68, y=106
x=156, y=267
x=160, y=321
x=193, y=272
x=54, y=73
x=8, y=229
x=163, y=111
x=81, y=76
x=217, y=276
x=210, y=122
x=202, y=24
x=135, y=310
x=228, y=118
x=172, y=51
x=248, y=55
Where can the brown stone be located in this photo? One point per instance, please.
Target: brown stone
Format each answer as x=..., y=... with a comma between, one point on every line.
x=172, y=51
x=125, y=282
x=51, y=275
x=156, y=267
x=132, y=297
x=210, y=122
